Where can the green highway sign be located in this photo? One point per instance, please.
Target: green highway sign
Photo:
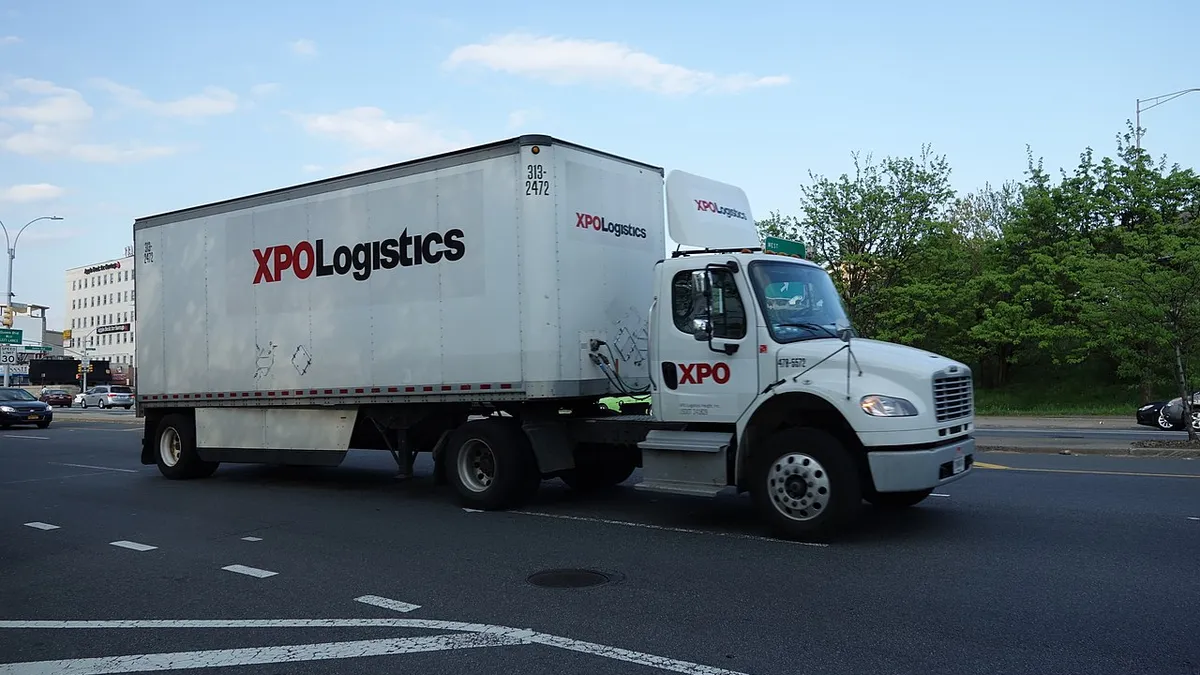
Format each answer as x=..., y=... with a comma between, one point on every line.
x=36, y=348
x=10, y=336
x=780, y=246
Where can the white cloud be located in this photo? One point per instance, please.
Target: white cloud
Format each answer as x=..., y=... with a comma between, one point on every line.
x=311, y=168
x=9, y=40
x=211, y=101
x=303, y=47
x=265, y=89
x=370, y=129
x=573, y=61
x=33, y=192
x=52, y=121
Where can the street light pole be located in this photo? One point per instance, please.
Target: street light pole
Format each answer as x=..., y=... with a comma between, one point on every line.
x=10, y=245
x=1154, y=102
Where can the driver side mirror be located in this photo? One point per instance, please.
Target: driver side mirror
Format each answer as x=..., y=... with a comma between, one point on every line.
x=844, y=331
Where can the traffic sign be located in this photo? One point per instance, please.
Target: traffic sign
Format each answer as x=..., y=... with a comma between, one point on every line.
x=781, y=246
x=115, y=328
x=10, y=336
x=28, y=349
x=8, y=356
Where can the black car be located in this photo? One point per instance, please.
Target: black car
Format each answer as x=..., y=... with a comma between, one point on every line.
x=18, y=406
x=1151, y=415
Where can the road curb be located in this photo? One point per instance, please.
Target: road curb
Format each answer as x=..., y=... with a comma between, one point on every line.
x=1104, y=452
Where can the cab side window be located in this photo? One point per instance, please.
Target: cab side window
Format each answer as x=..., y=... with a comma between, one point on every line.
x=689, y=309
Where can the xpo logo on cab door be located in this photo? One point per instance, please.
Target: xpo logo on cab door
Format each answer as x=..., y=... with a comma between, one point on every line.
x=697, y=373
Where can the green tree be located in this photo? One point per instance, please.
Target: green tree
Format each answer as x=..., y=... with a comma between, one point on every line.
x=869, y=227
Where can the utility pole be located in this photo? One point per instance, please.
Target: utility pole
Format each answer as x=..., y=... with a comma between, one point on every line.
x=10, y=246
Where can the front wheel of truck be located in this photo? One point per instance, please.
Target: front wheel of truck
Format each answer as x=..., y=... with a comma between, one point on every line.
x=175, y=449
x=491, y=464
x=806, y=485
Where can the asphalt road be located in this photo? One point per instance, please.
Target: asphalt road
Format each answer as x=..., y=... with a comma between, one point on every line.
x=1033, y=564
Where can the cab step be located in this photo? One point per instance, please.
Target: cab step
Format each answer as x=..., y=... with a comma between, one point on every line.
x=684, y=462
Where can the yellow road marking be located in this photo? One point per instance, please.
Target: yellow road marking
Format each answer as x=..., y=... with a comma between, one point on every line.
x=999, y=467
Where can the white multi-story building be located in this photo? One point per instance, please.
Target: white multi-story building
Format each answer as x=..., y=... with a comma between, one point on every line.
x=100, y=315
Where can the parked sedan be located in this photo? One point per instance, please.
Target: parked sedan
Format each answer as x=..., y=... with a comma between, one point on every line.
x=56, y=397
x=18, y=406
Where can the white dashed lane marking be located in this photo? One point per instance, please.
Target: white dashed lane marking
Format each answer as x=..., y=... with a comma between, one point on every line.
x=251, y=538
x=132, y=545
x=387, y=603
x=28, y=438
x=249, y=571
x=41, y=526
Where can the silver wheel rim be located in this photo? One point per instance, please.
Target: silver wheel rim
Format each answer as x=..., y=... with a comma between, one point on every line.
x=170, y=446
x=1196, y=421
x=476, y=465
x=1163, y=422
x=799, y=486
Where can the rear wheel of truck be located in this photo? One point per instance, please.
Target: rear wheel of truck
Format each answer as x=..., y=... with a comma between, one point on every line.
x=805, y=484
x=175, y=449
x=896, y=500
x=491, y=464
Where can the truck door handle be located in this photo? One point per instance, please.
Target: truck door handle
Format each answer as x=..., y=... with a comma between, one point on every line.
x=670, y=377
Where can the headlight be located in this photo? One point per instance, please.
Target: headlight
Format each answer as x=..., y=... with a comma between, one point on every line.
x=7, y=408
x=887, y=406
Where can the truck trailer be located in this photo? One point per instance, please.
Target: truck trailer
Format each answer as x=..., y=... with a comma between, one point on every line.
x=479, y=305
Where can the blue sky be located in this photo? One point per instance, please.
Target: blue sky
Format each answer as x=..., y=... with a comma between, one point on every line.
x=110, y=111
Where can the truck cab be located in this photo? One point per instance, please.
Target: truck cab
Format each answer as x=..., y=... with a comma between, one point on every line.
x=760, y=382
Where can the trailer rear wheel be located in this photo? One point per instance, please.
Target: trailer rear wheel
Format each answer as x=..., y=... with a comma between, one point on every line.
x=175, y=449
x=491, y=464
x=805, y=484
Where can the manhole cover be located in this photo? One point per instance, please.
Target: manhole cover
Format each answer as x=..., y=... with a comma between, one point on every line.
x=567, y=578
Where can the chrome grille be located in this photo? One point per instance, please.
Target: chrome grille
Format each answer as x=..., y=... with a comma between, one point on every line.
x=953, y=397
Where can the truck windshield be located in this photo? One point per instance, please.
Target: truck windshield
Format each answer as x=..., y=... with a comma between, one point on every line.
x=799, y=301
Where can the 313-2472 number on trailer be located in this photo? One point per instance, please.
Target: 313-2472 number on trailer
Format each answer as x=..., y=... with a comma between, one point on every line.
x=536, y=184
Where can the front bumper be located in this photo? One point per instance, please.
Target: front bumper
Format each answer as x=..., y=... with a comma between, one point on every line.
x=25, y=417
x=911, y=470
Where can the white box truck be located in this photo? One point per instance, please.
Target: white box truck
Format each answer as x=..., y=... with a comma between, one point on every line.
x=479, y=305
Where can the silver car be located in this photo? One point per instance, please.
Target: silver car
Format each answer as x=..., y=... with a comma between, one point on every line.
x=108, y=396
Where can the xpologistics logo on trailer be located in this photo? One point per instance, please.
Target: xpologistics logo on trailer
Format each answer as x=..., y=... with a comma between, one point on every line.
x=307, y=259
x=705, y=205
x=587, y=221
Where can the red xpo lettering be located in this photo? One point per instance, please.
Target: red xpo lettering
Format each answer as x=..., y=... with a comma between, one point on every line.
x=586, y=220
x=705, y=205
x=696, y=373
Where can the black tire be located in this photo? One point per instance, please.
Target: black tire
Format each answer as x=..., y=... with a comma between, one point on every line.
x=43, y=425
x=188, y=464
x=782, y=465
x=491, y=464
x=896, y=500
